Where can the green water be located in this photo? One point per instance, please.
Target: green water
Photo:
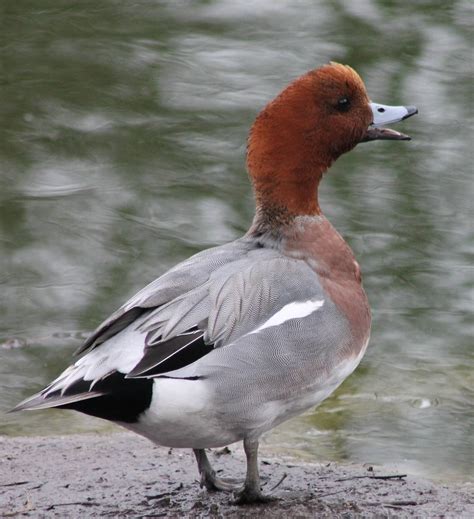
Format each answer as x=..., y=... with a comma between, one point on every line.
x=123, y=128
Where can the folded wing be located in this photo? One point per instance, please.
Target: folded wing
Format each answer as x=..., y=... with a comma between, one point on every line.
x=207, y=302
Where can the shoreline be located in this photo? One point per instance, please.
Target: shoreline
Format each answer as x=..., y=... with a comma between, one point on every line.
x=124, y=475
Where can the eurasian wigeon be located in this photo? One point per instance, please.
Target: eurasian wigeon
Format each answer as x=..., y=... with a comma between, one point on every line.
x=239, y=338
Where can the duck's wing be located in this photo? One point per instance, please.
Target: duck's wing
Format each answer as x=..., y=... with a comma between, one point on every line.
x=184, y=315
x=237, y=301
x=179, y=280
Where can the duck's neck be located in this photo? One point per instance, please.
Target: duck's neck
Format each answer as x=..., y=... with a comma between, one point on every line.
x=282, y=198
x=285, y=175
x=297, y=197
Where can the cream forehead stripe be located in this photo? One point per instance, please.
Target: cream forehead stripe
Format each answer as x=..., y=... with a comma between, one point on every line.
x=295, y=310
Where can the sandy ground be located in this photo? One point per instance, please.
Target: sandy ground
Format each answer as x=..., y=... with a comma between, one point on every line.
x=123, y=475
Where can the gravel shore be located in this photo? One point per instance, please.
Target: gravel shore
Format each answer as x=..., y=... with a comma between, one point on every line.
x=124, y=475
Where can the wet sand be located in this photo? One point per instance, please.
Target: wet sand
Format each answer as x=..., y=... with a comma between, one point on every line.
x=123, y=475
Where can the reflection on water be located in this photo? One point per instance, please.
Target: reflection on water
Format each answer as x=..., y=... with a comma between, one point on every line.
x=122, y=152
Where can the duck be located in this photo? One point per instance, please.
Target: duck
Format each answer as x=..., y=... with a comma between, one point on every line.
x=241, y=337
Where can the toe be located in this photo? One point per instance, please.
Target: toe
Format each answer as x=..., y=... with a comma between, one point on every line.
x=214, y=483
x=226, y=484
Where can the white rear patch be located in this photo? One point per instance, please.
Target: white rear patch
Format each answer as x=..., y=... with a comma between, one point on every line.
x=181, y=414
x=295, y=310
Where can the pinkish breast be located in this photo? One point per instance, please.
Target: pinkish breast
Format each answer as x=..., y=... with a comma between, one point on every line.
x=315, y=240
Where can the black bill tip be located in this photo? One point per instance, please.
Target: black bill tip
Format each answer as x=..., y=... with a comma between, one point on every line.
x=412, y=110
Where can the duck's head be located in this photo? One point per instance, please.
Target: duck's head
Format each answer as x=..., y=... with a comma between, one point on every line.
x=321, y=115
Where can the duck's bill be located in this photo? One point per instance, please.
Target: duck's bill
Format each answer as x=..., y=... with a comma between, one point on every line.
x=384, y=114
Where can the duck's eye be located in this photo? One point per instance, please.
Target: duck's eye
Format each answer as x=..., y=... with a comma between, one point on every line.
x=343, y=104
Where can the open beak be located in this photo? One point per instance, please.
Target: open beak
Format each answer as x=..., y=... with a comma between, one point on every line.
x=383, y=114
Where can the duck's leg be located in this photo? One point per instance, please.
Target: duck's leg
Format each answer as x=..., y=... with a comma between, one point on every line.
x=209, y=479
x=251, y=492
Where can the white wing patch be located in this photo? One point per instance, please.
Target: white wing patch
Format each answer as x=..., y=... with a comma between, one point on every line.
x=295, y=310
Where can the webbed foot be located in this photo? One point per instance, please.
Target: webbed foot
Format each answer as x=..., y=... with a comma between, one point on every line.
x=248, y=496
x=251, y=492
x=209, y=479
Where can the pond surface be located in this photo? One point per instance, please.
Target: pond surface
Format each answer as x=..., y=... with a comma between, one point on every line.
x=123, y=129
